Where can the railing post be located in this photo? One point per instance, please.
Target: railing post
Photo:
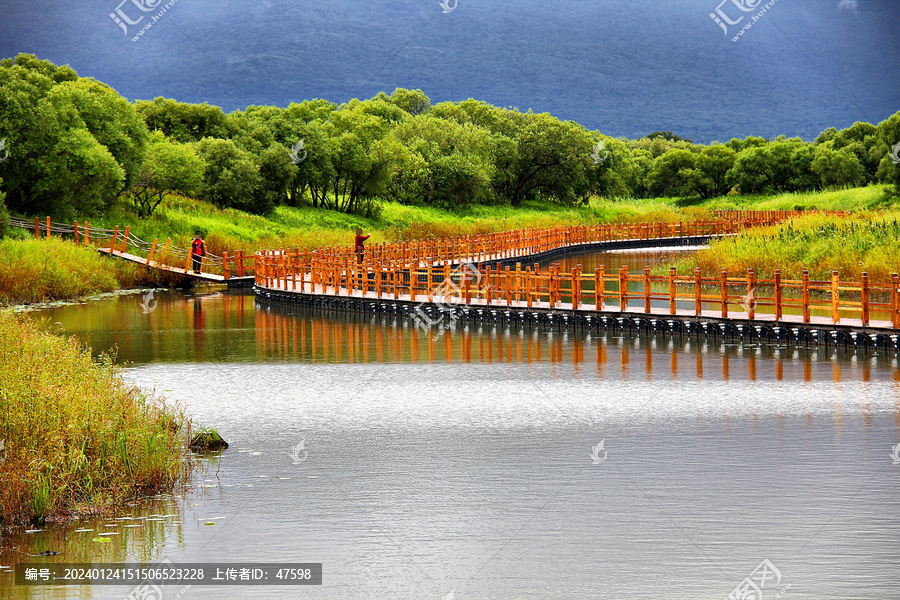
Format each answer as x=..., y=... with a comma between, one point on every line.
x=698, y=299
x=576, y=297
x=378, y=275
x=125, y=238
x=165, y=253
x=865, y=299
x=239, y=264
x=507, y=285
x=895, y=300
x=528, y=286
x=647, y=289
x=598, y=289
x=152, y=250
x=551, y=273
x=835, y=298
x=488, y=287
x=48, y=228
x=672, y=302
x=226, y=272
x=37, y=229
x=805, y=299
x=777, y=294
x=623, y=289
x=87, y=234
x=724, y=292
x=751, y=295
x=112, y=245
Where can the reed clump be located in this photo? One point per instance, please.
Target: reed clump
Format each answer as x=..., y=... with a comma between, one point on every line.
x=851, y=245
x=77, y=438
x=33, y=270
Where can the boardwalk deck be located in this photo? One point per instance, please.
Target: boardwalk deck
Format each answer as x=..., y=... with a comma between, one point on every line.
x=319, y=291
x=207, y=277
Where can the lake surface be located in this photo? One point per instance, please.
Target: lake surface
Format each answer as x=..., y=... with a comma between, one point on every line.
x=416, y=463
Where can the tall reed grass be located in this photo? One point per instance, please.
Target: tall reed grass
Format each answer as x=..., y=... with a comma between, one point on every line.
x=864, y=242
x=40, y=270
x=77, y=438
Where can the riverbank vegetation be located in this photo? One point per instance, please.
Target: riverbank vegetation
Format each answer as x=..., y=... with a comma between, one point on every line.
x=46, y=270
x=863, y=242
x=77, y=438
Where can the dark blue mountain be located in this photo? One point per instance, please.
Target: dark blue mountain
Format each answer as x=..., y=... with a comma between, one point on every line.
x=625, y=67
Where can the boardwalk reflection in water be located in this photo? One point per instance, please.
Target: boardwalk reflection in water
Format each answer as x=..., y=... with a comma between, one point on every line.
x=323, y=336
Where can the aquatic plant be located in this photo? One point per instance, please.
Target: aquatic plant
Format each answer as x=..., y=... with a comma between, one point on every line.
x=77, y=437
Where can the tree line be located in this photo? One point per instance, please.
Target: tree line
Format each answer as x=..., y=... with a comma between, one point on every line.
x=75, y=145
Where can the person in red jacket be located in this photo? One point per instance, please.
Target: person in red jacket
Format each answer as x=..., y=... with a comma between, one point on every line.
x=198, y=251
x=360, y=248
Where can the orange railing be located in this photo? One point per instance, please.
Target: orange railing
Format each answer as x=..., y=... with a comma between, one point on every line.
x=410, y=270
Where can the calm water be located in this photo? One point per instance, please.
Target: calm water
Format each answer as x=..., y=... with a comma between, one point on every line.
x=463, y=459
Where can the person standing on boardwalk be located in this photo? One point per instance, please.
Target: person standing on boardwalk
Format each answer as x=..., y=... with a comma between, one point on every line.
x=198, y=251
x=360, y=247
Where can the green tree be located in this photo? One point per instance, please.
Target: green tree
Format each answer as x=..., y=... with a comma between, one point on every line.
x=887, y=151
x=837, y=168
x=4, y=214
x=231, y=177
x=415, y=102
x=709, y=178
x=73, y=143
x=783, y=165
x=667, y=135
x=670, y=174
x=168, y=167
x=617, y=171
x=552, y=159
x=355, y=161
x=446, y=163
x=859, y=139
x=181, y=121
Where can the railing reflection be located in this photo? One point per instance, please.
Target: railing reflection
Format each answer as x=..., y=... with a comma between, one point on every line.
x=322, y=336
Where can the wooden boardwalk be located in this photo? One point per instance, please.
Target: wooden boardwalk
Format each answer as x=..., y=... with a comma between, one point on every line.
x=186, y=273
x=439, y=279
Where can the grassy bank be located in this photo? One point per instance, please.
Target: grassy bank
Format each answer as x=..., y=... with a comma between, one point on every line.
x=229, y=229
x=862, y=242
x=77, y=437
x=43, y=270
x=33, y=270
